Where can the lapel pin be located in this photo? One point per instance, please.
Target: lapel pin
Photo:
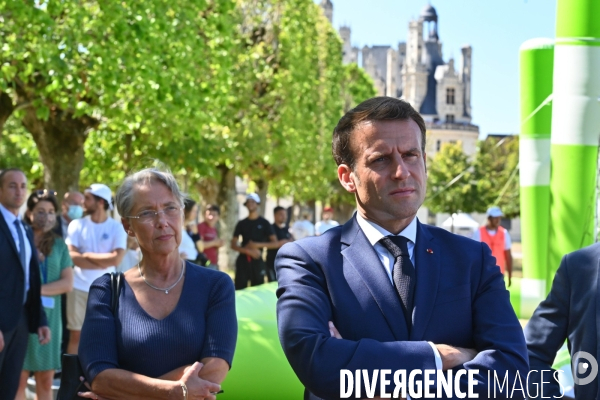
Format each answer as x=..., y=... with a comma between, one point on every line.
x=430, y=251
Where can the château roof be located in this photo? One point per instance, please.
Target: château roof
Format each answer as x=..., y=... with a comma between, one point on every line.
x=429, y=13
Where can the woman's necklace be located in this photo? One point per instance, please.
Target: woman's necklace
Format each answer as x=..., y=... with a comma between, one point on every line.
x=166, y=290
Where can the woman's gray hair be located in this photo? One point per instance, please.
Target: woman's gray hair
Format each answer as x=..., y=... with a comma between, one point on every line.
x=124, y=196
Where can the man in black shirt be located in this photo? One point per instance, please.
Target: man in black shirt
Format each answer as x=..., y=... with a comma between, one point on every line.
x=284, y=236
x=256, y=233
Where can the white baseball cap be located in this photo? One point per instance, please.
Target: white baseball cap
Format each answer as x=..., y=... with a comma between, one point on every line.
x=494, y=212
x=253, y=196
x=102, y=191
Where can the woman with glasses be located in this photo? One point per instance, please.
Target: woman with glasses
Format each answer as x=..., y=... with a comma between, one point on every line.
x=57, y=278
x=174, y=333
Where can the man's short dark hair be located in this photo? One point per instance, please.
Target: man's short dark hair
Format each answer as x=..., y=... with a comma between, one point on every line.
x=375, y=109
x=103, y=200
x=277, y=209
x=6, y=171
x=188, y=204
x=213, y=207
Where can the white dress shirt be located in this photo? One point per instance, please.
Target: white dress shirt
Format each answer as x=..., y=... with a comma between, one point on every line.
x=187, y=246
x=10, y=219
x=374, y=234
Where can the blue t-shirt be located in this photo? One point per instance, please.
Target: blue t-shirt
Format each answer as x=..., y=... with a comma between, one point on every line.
x=202, y=324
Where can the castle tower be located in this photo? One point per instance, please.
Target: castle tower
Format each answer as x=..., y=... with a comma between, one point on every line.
x=414, y=74
x=465, y=77
x=370, y=67
x=432, y=59
x=414, y=48
x=391, y=86
x=429, y=16
x=327, y=7
x=349, y=54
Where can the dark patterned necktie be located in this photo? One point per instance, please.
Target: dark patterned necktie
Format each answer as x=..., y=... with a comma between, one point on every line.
x=403, y=274
x=22, y=253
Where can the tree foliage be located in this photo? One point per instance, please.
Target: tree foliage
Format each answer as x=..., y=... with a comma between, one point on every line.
x=458, y=184
x=153, y=70
x=497, y=167
x=17, y=149
x=103, y=88
x=450, y=185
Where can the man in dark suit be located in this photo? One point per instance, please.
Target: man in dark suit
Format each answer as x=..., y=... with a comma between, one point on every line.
x=570, y=312
x=384, y=291
x=20, y=304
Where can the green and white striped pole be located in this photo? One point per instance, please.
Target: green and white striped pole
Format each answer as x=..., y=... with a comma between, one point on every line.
x=536, y=64
x=575, y=128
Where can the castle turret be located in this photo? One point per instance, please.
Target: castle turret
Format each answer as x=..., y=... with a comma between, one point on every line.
x=414, y=50
x=465, y=77
x=429, y=16
x=414, y=74
x=327, y=7
x=349, y=53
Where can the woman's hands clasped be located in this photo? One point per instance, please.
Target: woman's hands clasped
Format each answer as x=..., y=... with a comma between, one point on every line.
x=198, y=388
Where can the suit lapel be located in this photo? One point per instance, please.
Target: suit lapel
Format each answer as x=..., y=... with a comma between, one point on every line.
x=362, y=267
x=9, y=237
x=427, y=264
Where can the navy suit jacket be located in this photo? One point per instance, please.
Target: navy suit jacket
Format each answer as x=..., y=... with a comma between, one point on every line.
x=570, y=312
x=12, y=283
x=460, y=300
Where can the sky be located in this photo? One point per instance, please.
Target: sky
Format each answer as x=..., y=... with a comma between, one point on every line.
x=494, y=29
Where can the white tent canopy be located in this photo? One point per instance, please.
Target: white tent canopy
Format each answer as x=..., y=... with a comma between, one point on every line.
x=461, y=220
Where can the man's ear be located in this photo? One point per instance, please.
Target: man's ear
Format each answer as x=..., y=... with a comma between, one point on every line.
x=346, y=178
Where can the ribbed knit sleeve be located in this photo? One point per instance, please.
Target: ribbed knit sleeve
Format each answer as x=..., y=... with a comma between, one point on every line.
x=98, y=344
x=221, y=321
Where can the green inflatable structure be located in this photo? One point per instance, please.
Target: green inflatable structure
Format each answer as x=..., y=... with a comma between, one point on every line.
x=560, y=115
x=536, y=64
x=260, y=369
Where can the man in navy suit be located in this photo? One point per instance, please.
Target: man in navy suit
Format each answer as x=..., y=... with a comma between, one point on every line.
x=20, y=303
x=570, y=312
x=350, y=300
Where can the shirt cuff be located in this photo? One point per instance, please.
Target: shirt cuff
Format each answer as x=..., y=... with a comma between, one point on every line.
x=436, y=355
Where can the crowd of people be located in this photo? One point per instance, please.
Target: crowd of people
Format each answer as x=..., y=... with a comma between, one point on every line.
x=65, y=252
x=381, y=291
x=64, y=247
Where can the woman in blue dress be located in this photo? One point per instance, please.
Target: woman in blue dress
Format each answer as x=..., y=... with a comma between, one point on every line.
x=57, y=278
x=175, y=330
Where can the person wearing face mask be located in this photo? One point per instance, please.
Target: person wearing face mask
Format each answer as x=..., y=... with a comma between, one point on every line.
x=56, y=278
x=72, y=208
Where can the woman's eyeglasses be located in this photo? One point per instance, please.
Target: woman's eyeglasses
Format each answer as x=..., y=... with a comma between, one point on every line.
x=149, y=216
